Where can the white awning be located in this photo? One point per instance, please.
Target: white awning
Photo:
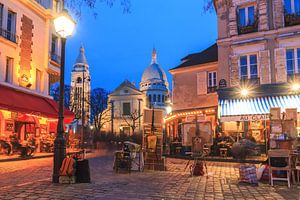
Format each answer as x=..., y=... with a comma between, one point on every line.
x=255, y=108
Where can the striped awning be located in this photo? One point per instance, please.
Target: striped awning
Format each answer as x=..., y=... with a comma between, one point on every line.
x=257, y=106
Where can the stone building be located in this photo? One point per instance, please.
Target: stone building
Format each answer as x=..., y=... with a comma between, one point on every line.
x=126, y=105
x=81, y=89
x=258, y=53
x=194, y=95
x=154, y=84
x=29, y=63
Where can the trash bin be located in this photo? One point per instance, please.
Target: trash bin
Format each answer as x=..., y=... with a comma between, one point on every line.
x=83, y=171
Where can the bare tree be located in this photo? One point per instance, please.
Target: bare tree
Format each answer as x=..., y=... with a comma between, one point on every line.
x=77, y=5
x=99, y=112
x=54, y=92
x=131, y=120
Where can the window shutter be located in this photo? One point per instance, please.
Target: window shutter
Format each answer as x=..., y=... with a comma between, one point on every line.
x=234, y=71
x=280, y=65
x=264, y=65
x=233, y=20
x=202, y=83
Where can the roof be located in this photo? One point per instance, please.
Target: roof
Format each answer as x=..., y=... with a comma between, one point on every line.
x=81, y=59
x=126, y=83
x=206, y=56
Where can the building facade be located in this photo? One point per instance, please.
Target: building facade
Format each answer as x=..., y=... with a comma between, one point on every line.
x=81, y=89
x=126, y=106
x=258, y=53
x=194, y=96
x=154, y=85
x=29, y=63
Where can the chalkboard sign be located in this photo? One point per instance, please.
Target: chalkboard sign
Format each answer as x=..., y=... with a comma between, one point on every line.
x=222, y=83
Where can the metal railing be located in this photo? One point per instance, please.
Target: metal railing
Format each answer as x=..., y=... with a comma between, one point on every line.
x=9, y=35
x=291, y=19
x=56, y=58
x=212, y=89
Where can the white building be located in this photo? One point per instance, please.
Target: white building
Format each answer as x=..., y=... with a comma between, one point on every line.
x=154, y=84
x=81, y=88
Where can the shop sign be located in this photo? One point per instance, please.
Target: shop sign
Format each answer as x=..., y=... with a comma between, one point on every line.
x=243, y=118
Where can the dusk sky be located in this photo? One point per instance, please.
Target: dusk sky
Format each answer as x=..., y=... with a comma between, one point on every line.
x=118, y=46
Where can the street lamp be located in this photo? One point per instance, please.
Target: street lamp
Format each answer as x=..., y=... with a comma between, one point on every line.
x=64, y=27
x=244, y=92
x=296, y=87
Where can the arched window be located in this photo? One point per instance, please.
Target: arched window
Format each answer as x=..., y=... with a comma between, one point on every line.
x=79, y=80
x=149, y=97
x=154, y=98
x=158, y=98
x=163, y=98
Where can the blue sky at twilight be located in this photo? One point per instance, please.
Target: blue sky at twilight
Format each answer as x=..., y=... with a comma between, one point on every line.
x=118, y=46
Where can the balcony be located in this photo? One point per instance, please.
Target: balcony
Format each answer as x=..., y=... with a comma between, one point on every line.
x=212, y=89
x=248, y=82
x=8, y=35
x=293, y=77
x=251, y=28
x=291, y=19
x=56, y=59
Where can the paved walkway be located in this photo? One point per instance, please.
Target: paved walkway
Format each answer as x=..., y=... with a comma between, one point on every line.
x=30, y=179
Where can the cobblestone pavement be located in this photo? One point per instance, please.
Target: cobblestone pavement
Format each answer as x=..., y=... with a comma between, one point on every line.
x=31, y=180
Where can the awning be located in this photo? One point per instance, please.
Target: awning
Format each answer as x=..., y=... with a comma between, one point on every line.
x=19, y=101
x=258, y=107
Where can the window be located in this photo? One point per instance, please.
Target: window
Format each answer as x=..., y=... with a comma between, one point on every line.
x=53, y=44
x=154, y=98
x=293, y=61
x=11, y=26
x=38, y=80
x=248, y=67
x=126, y=91
x=163, y=98
x=9, y=70
x=126, y=108
x=79, y=80
x=212, y=82
x=246, y=16
x=150, y=98
x=158, y=98
x=1, y=16
x=292, y=6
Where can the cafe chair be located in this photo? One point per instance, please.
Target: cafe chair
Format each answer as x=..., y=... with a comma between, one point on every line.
x=280, y=154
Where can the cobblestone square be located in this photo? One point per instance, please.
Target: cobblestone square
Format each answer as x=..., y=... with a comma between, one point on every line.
x=31, y=179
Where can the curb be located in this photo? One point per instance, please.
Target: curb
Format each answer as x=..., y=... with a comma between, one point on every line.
x=36, y=157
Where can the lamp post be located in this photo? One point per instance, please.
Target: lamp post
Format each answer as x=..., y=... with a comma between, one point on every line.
x=64, y=26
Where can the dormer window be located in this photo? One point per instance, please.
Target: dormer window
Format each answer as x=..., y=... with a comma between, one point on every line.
x=291, y=12
x=247, y=22
x=125, y=91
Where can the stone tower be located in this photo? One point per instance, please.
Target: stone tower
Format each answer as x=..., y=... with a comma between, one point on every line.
x=81, y=89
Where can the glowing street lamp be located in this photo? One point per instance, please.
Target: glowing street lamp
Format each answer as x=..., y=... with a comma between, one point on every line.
x=244, y=92
x=64, y=27
x=295, y=87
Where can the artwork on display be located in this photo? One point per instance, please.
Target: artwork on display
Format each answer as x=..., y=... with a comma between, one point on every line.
x=255, y=124
x=189, y=132
x=259, y=138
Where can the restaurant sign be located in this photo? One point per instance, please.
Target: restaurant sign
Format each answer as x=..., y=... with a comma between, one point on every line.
x=243, y=118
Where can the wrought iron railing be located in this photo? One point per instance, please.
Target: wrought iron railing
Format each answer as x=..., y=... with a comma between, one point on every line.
x=291, y=19
x=252, y=81
x=293, y=77
x=56, y=58
x=250, y=28
x=9, y=35
x=212, y=89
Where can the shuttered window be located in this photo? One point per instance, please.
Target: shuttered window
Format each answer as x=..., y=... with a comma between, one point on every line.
x=202, y=83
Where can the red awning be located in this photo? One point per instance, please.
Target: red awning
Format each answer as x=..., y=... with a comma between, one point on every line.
x=19, y=101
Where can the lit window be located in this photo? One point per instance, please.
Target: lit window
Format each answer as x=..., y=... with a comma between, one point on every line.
x=248, y=67
x=293, y=61
x=38, y=80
